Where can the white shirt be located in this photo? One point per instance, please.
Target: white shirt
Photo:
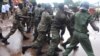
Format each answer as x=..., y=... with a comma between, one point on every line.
x=3, y=9
x=7, y=6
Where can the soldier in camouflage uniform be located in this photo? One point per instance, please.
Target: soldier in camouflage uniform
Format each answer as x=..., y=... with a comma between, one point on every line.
x=17, y=24
x=82, y=18
x=70, y=27
x=37, y=17
x=28, y=11
x=25, y=13
x=42, y=28
x=59, y=23
x=31, y=21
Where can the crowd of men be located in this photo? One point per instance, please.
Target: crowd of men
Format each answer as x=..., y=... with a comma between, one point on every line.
x=49, y=28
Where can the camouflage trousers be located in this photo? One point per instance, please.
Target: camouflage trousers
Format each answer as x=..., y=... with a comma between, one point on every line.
x=83, y=39
x=55, y=40
x=40, y=40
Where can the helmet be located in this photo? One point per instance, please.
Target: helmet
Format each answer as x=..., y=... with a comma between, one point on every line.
x=39, y=5
x=84, y=5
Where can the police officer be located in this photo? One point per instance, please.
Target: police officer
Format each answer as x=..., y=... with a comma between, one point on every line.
x=82, y=18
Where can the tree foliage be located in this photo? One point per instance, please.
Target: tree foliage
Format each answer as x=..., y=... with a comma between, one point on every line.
x=70, y=3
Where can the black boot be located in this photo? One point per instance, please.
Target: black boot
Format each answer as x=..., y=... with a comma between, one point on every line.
x=76, y=47
x=47, y=39
x=39, y=53
x=25, y=38
x=58, y=49
x=25, y=48
x=63, y=45
x=62, y=39
x=35, y=36
x=5, y=41
x=1, y=36
x=55, y=54
x=28, y=30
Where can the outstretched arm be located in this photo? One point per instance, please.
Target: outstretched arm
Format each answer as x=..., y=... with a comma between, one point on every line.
x=92, y=23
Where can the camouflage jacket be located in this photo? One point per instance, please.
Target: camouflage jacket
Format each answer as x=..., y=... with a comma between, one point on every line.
x=45, y=22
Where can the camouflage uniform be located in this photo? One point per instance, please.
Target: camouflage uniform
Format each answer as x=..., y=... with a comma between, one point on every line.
x=31, y=19
x=59, y=22
x=25, y=11
x=17, y=24
x=42, y=30
x=43, y=27
x=70, y=27
x=37, y=17
x=69, y=23
x=80, y=33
